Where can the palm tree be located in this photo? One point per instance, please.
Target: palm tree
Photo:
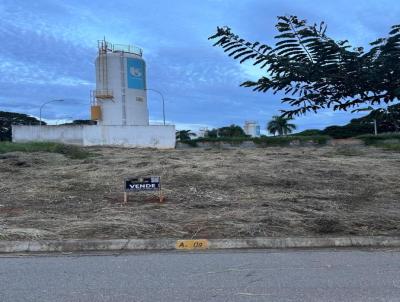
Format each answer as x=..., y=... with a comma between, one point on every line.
x=184, y=135
x=280, y=125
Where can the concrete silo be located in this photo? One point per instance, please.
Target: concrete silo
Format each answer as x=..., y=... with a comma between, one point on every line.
x=120, y=96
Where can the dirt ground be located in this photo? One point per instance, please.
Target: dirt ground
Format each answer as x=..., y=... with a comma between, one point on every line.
x=210, y=193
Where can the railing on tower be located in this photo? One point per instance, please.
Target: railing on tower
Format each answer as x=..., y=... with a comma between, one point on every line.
x=105, y=47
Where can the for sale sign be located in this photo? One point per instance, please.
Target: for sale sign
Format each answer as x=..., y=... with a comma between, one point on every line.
x=149, y=183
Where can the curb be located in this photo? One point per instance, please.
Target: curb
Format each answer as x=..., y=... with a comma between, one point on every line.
x=48, y=246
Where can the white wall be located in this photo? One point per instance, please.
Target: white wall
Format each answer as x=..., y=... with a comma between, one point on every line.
x=161, y=137
x=66, y=134
x=157, y=136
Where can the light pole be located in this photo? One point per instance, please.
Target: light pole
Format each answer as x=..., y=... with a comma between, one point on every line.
x=163, y=102
x=40, y=113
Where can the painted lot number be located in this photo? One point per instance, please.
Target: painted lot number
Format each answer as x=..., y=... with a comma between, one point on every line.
x=198, y=244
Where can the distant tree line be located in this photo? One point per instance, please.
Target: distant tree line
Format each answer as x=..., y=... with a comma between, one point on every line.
x=228, y=131
x=387, y=120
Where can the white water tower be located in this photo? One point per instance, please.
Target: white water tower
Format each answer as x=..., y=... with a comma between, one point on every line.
x=252, y=128
x=120, y=96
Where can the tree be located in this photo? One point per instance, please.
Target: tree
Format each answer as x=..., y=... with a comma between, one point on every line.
x=231, y=131
x=7, y=119
x=184, y=135
x=316, y=72
x=213, y=133
x=280, y=125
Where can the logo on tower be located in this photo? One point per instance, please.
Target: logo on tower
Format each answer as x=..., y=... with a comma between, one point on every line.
x=136, y=74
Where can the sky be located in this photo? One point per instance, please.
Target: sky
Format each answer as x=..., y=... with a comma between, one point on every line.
x=49, y=46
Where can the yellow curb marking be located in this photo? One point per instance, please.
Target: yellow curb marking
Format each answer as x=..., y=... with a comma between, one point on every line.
x=197, y=244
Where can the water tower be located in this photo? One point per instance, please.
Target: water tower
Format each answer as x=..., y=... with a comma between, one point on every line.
x=252, y=128
x=118, y=104
x=120, y=96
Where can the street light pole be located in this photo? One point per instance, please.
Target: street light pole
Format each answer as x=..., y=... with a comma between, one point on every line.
x=163, y=102
x=40, y=113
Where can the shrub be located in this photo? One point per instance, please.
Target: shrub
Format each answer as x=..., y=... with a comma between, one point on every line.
x=388, y=141
x=70, y=151
x=287, y=140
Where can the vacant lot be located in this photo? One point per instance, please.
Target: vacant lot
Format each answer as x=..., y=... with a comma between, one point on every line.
x=209, y=193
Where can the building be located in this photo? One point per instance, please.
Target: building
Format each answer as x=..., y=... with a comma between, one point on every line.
x=252, y=128
x=118, y=104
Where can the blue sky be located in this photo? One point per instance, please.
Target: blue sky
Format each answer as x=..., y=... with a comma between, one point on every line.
x=49, y=46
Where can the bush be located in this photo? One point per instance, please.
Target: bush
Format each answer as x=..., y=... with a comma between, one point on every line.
x=264, y=140
x=287, y=140
x=70, y=151
x=388, y=141
x=371, y=139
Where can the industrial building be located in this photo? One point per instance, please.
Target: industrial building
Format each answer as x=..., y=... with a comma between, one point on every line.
x=118, y=104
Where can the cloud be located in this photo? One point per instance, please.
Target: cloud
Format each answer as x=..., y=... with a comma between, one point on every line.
x=48, y=49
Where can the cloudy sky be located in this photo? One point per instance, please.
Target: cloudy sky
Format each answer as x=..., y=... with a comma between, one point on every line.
x=49, y=46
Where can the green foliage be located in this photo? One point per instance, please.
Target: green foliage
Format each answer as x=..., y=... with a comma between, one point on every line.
x=388, y=120
x=264, y=141
x=371, y=139
x=11, y=118
x=212, y=133
x=316, y=72
x=280, y=125
x=227, y=139
x=228, y=131
x=184, y=135
x=231, y=131
x=352, y=129
x=309, y=132
x=388, y=141
x=287, y=140
x=73, y=152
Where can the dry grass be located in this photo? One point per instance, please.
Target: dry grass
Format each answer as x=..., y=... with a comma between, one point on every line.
x=210, y=193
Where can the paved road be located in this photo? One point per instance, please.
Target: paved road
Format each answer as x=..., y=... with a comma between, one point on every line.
x=344, y=275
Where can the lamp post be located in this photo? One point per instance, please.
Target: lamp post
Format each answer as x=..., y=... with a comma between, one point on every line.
x=40, y=113
x=163, y=102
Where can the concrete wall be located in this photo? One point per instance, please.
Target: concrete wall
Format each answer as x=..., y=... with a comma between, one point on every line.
x=157, y=136
x=66, y=134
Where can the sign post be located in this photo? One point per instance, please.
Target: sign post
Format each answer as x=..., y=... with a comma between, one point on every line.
x=148, y=183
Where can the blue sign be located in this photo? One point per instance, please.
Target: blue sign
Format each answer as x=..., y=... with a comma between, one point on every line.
x=136, y=73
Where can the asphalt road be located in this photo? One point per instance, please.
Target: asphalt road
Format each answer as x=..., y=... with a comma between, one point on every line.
x=346, y=275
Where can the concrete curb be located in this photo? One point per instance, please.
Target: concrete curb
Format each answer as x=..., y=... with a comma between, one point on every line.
x=48, y=246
